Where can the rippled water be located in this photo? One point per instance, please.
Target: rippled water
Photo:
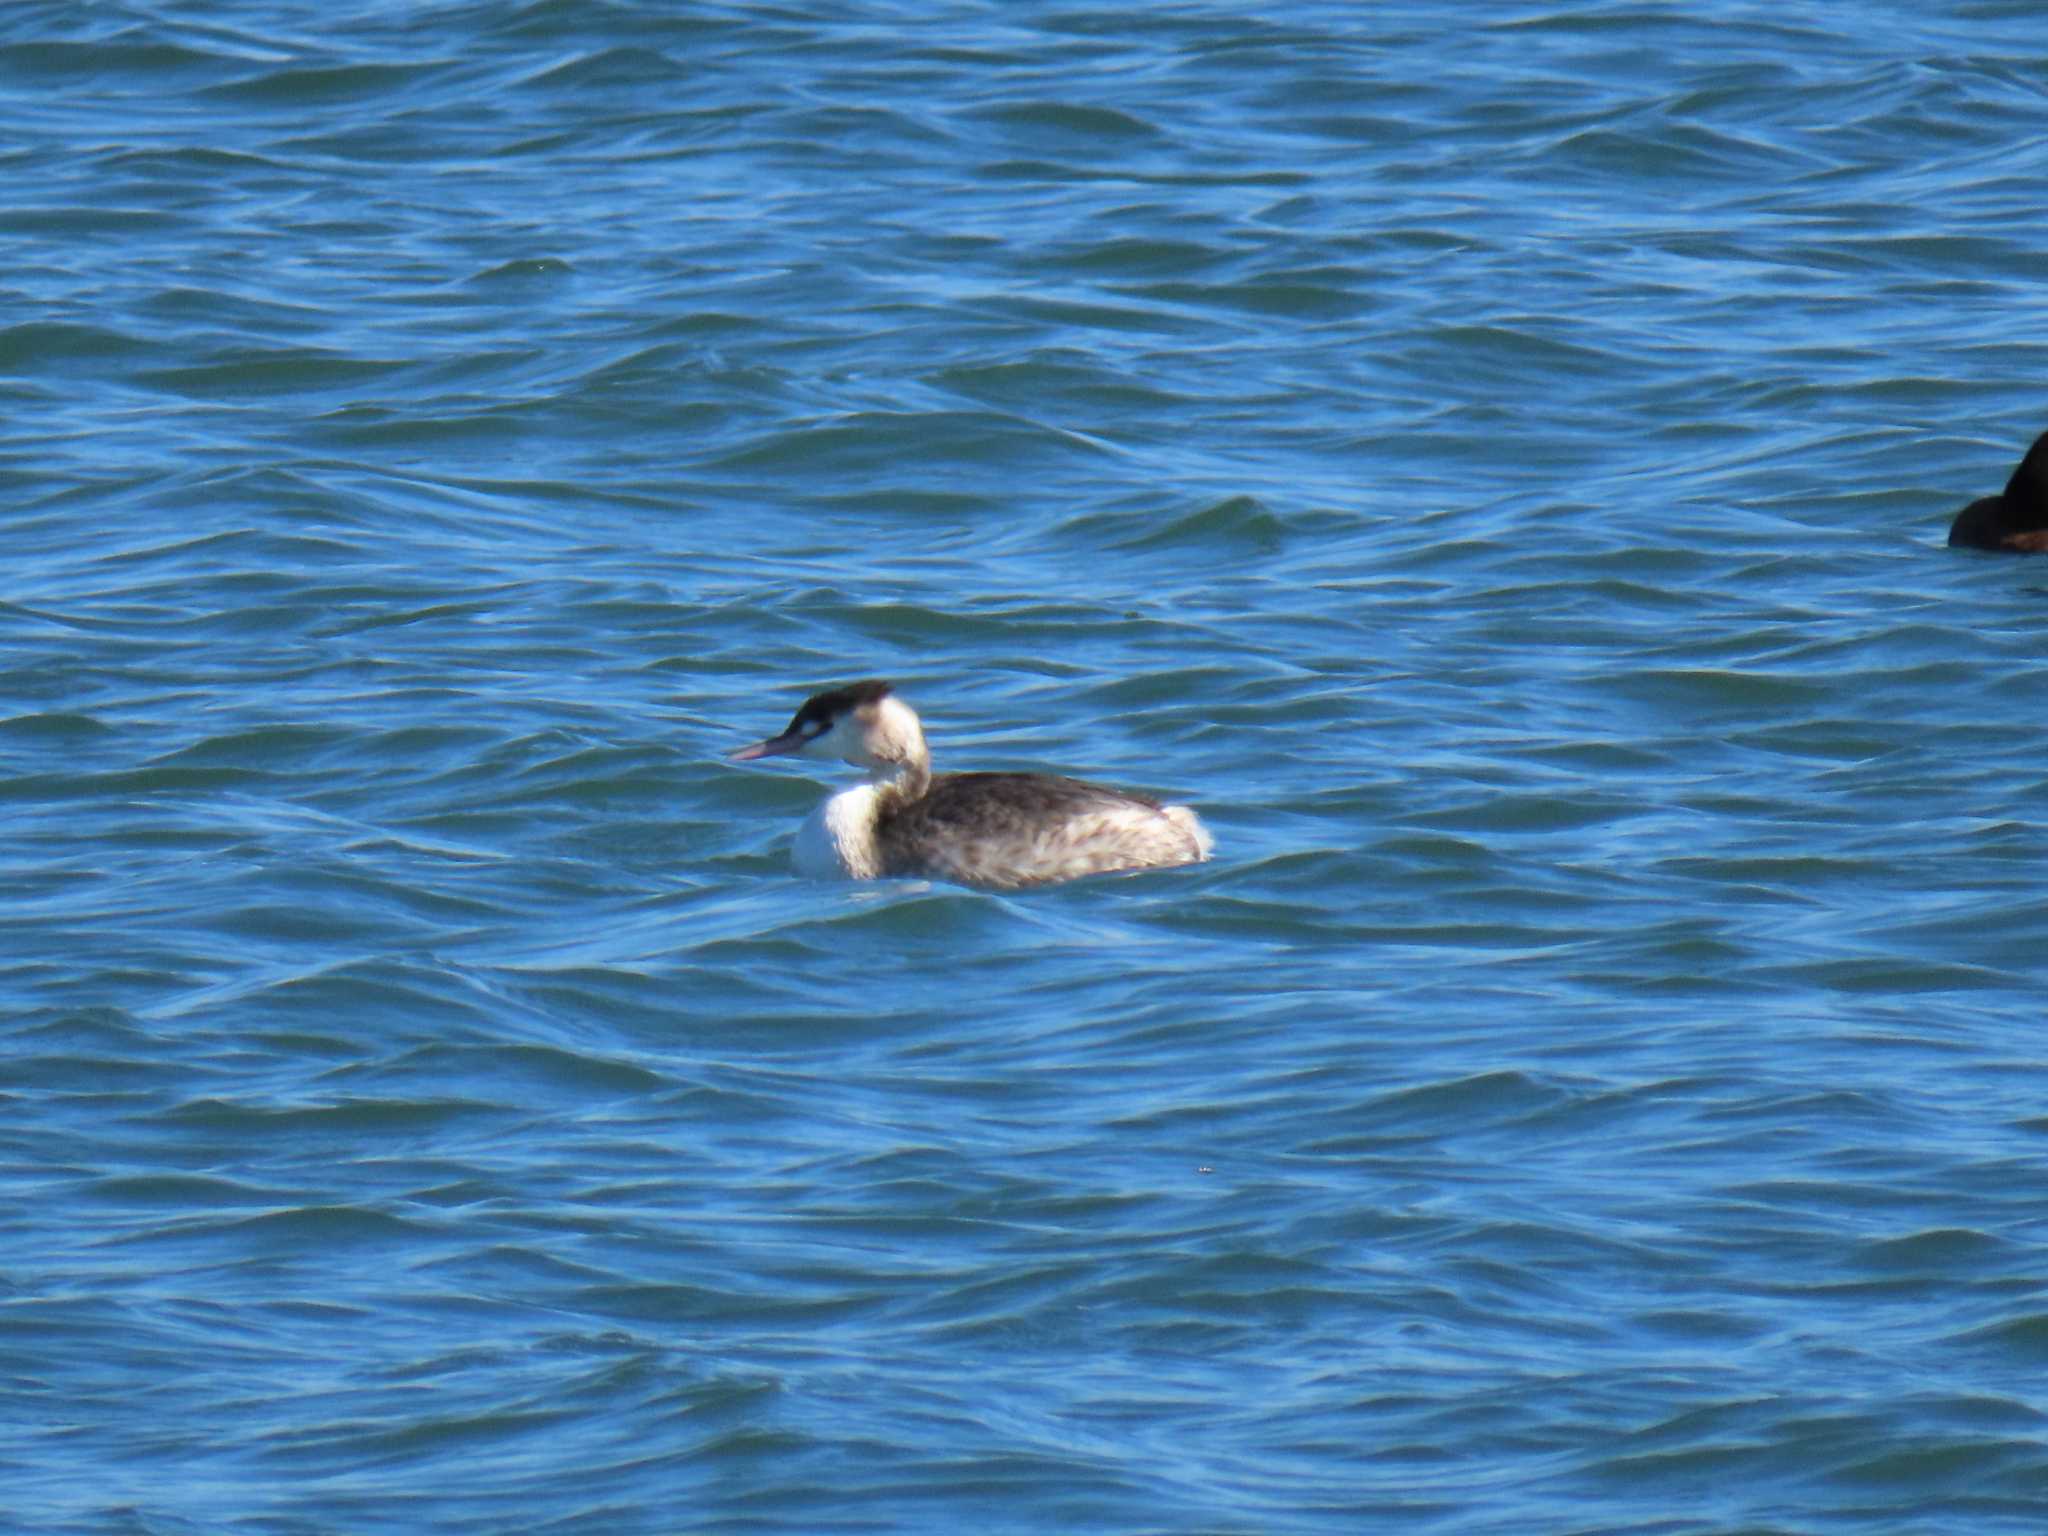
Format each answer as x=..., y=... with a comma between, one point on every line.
x=1494, y=462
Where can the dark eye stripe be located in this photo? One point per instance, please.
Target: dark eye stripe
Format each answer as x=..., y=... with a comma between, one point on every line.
x=822, y=711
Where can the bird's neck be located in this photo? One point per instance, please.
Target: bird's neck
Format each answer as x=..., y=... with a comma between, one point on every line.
x=900, y=783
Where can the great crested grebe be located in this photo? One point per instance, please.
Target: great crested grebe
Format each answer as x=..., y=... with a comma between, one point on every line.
x=2015, y=520
x=999, y=830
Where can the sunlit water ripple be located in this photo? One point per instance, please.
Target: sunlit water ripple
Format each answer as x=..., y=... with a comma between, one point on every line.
x=1497, y=470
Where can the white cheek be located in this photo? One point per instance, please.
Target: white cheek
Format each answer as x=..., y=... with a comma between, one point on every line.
x=821, y=745
x=843, y=742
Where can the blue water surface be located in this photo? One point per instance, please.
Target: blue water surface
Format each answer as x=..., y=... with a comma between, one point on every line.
x=1495, y=462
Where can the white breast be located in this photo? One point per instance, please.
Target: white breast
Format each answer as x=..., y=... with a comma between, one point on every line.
x=837, y=840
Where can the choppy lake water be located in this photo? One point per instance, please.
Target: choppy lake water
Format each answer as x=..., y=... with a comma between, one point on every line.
x=1495, y=462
